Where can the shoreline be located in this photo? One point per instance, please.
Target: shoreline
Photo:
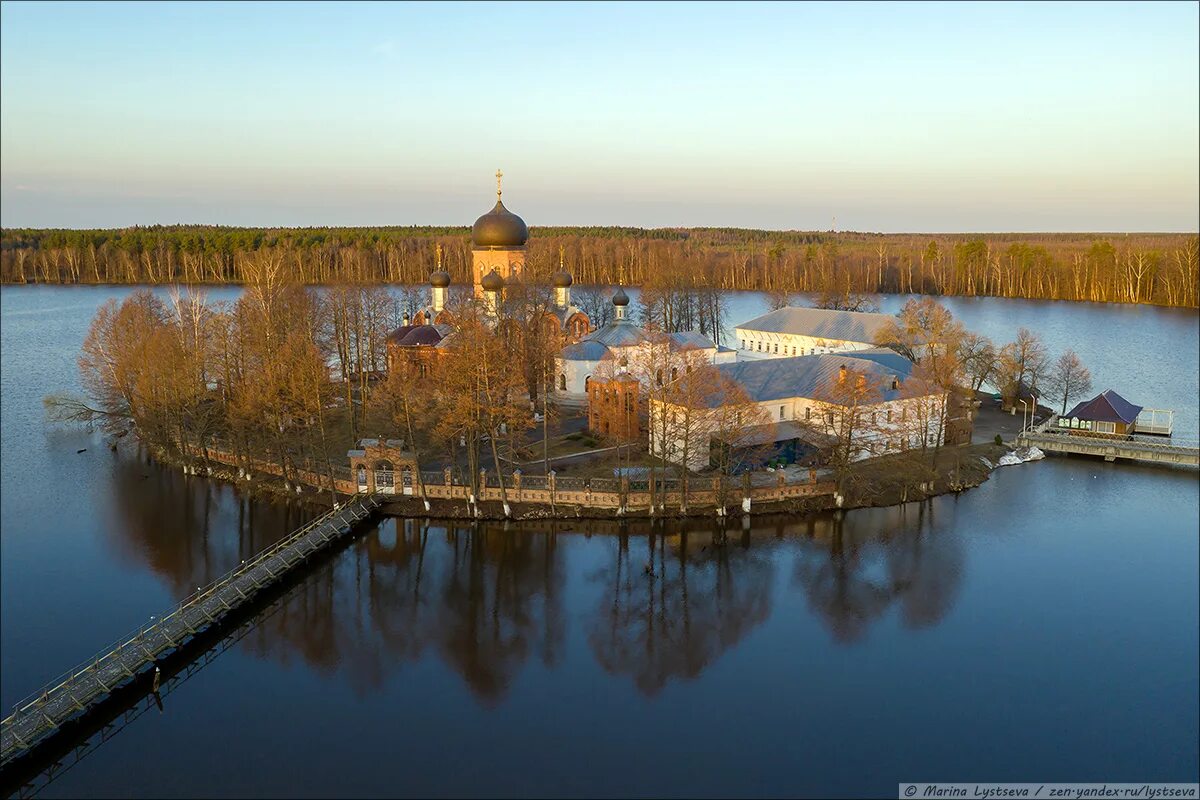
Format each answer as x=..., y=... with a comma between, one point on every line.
x=321, y=285
x=876, y=484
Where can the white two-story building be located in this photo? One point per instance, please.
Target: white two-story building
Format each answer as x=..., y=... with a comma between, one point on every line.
x=795, y=331
x=807, y=399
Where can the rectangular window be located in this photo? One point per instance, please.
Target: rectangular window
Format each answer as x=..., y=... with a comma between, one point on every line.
x=808, y=413
x=889, y=415
x=776, y=347
x=781, y=412
x=1106, y=427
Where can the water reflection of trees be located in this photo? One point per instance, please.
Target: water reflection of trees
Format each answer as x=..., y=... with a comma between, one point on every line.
x=672, y=604
x=855, y=567
x=484, y=599
x=191, y=531
x=660, y=603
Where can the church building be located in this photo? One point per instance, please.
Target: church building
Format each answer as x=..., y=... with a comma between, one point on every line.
x=498, y=250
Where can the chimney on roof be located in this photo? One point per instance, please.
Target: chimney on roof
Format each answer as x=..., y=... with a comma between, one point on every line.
x=842, y=374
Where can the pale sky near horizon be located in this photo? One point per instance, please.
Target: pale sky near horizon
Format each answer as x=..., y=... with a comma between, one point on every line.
x=889, y=117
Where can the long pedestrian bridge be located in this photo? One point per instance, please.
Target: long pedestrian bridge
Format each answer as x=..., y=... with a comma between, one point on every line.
x=136, y=656
x=1052, y=439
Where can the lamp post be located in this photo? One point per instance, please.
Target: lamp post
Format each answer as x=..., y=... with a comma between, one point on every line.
x=1024, y=409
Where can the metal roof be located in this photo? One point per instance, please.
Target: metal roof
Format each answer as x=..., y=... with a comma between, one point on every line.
x=814, y=376
x=844, y=326
x=1108, y=406
x=887, y=357
x=400, y=333
x=584, y=351
x=618, y=333
x=691, y=340
x=420, y=335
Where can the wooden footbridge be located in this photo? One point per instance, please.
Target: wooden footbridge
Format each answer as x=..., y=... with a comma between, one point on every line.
x=135, y=656
x=1052, y=439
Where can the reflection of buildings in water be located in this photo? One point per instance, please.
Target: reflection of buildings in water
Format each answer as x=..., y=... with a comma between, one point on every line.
x=672, y=606
x=854, y=567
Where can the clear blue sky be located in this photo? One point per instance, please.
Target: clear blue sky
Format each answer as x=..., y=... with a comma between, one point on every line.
x=889, y=117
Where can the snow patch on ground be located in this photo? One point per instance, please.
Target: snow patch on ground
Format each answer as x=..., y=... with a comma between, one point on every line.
x=1020, y=456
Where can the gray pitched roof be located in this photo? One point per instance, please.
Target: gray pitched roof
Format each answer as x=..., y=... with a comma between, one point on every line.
x=846, y=326
x=585, y=350
x=887, y=357
x=691, y=340
x=618, y=333
x=813, y=376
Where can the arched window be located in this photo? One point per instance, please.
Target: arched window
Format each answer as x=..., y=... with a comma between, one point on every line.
x=587, y=383
x=658, y=377
x=674, y=373
x=406, y=479
x=362, y=477
x=781, y=410
x=562, y=382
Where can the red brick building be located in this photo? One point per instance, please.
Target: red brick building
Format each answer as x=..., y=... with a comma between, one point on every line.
x=615, y=408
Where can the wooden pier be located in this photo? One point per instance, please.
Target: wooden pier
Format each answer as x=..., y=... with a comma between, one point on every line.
x=135, y=656
x=1052, y=439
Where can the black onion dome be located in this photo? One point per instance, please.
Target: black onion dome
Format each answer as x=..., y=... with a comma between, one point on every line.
x=492, y=282
x=440, y=279
x=620, y=298
x=499, y=228
x=562, y=280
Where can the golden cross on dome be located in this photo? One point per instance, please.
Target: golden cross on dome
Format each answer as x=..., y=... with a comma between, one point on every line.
x=499, y=175
x=439, y=255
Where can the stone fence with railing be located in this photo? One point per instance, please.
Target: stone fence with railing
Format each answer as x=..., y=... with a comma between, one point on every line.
x=618, y=495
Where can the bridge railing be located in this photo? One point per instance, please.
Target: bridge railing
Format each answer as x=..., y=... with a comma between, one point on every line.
x=105, y=655
x=1115, y=440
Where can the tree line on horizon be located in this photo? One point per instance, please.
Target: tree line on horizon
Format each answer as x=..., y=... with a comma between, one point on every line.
x=1151, y=268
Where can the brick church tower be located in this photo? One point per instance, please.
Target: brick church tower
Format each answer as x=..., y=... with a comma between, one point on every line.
x=498, y=243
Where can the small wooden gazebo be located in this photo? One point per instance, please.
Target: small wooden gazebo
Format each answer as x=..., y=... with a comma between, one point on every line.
x=1106, y=414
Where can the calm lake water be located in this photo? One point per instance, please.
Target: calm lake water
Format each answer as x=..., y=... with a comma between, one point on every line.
x=1043, y=627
